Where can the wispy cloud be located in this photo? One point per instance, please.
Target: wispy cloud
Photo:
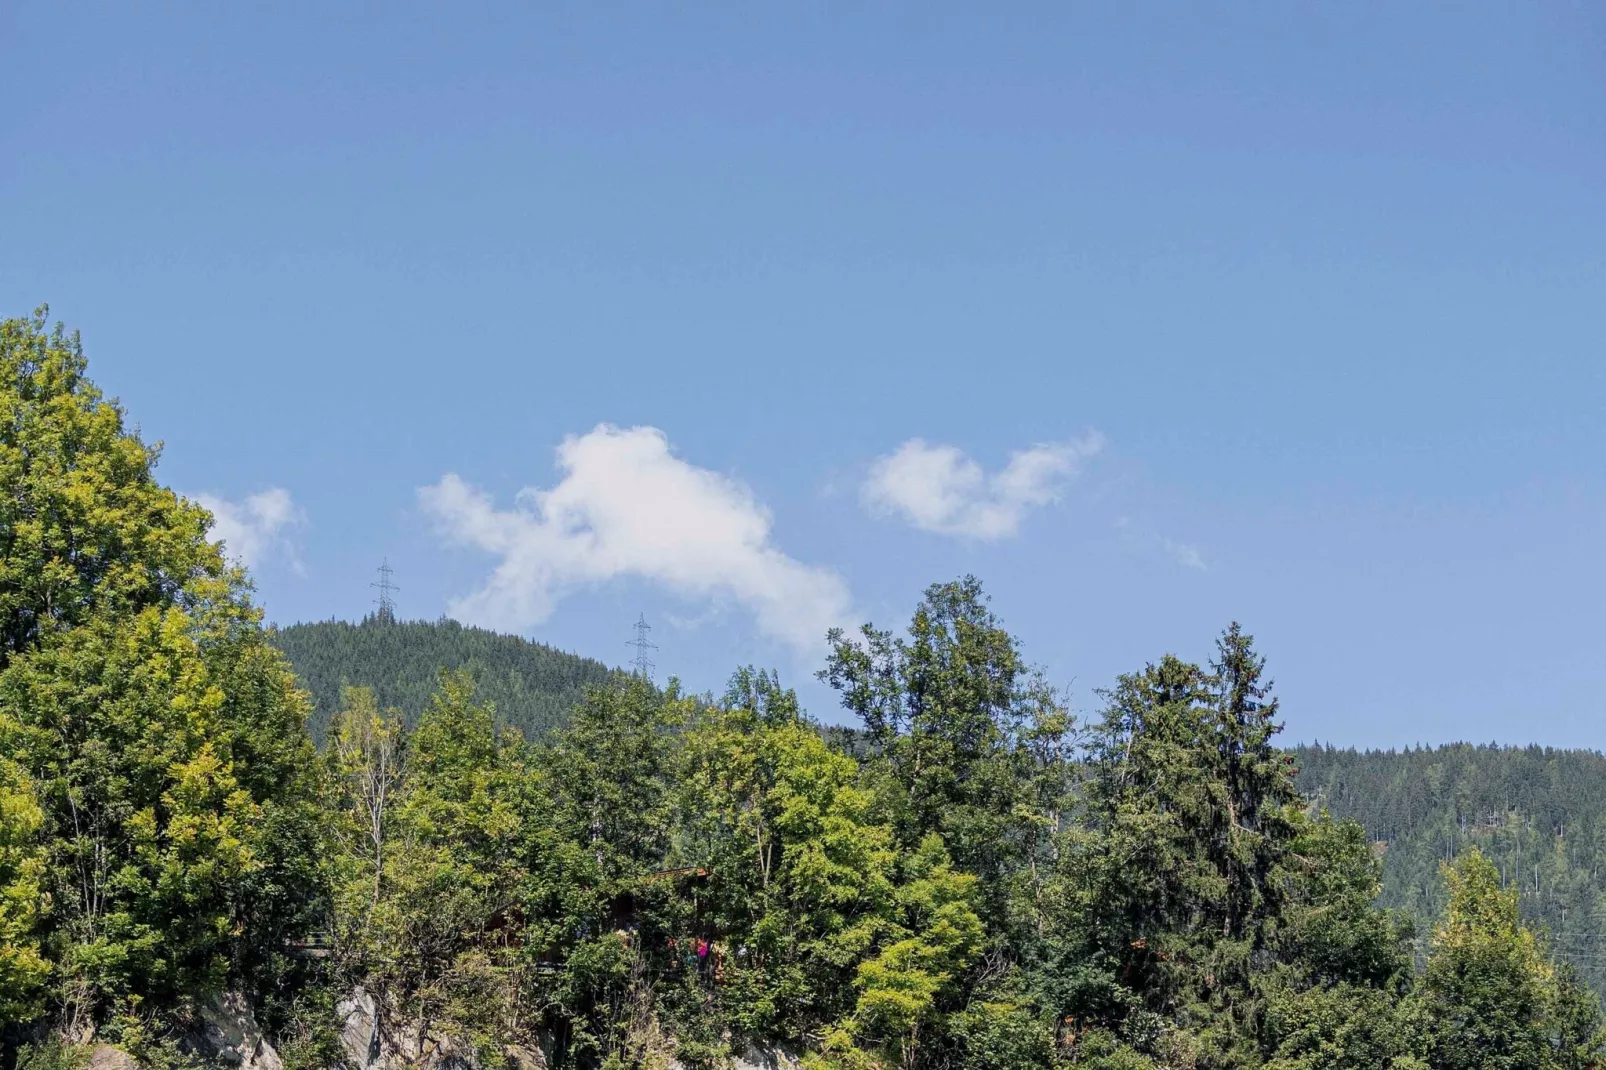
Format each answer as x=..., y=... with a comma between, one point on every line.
x=1185, y=554
x=256, y=528
x=939, y=489
x=626, y=506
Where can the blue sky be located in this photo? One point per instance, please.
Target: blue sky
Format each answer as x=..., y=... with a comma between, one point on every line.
x=1285, y=313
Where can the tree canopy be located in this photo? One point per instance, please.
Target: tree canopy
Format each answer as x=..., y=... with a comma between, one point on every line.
x=975, y=877
x=159, y=796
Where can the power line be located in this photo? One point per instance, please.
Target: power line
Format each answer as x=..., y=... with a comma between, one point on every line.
x=644, y=665
x=387, y=604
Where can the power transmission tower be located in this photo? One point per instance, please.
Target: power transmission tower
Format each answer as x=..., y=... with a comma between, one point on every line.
x=387, y=604
x=644, y=665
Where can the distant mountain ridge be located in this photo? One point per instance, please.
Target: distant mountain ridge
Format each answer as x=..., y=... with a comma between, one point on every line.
x=532, y=685
x=1538, y=812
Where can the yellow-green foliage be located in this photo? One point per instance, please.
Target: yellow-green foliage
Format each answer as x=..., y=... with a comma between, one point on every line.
x=23, y=904
x=1492, y=997
x=940, y=935
x=163, y=739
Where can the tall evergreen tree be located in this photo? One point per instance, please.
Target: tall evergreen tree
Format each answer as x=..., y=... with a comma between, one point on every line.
x=1259, y=798
x=1173, y=876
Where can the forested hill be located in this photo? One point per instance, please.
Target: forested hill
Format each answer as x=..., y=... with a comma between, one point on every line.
x=533, y=686
x=1537, y=812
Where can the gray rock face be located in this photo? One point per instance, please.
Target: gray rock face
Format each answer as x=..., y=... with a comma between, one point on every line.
x=359, y=1030
x=229, y=1035
x=106, y=1057
x=371, y=1042
x=520, y=1058
x=756, y=1058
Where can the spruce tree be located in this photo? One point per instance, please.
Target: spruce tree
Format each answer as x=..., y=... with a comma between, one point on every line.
x=1258, y=791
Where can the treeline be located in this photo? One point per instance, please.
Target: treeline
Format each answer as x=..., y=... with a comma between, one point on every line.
x=1537, y=813
x=532, y=686
x=984, y=882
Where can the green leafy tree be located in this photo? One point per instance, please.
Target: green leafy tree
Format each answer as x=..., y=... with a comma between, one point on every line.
x=906, y=990
x=165, y=739
x=1491, y=997
x=965, y=735
x=801, y=876
x=1002, y=1031
x=365, y=755
x=1342, y=1027
x=609, y=772
x=439, y=934
x=86, y=531
x=1331, y=931
x=1336, y=997
x=608, y=777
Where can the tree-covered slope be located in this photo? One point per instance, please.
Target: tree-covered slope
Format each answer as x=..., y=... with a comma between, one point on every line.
x=532, y=686
x=1537, y=812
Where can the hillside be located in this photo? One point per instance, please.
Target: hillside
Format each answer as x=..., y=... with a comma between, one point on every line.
x=1537, y=812
x=533, y=686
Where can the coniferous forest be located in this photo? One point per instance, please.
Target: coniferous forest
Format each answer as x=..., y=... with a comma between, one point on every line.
x=531, y=686
x=1537, y=813
x=985, y=878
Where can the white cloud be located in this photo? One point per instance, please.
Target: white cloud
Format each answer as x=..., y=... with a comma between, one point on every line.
x=1186, y=554
x=939, y=489
x=626, y=506
x=253, y=529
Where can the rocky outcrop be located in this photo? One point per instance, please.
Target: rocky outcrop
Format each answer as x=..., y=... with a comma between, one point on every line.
x=106, y=1057
x=224, y=1033
x=757, y=1058
x=227, y=1035
x=371, y=1041
x=358, y=1016
x=520, y=1058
